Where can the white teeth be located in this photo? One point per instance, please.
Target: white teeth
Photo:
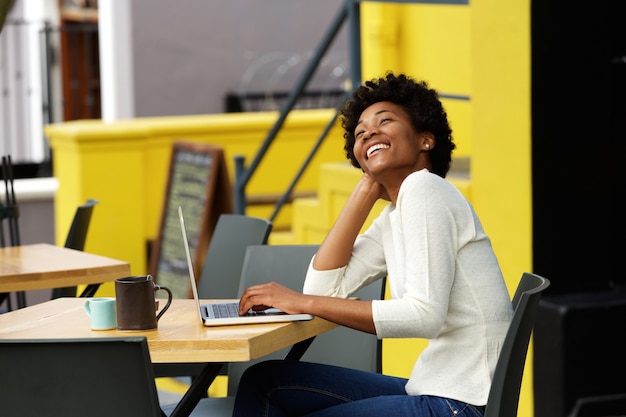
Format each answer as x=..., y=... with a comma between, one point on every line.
x=376, y=147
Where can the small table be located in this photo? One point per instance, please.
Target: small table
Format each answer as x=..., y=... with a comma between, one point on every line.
x=42, y=266
x=180, y=337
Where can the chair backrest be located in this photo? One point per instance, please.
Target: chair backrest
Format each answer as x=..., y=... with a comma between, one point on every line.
x=76, y=238
x=221, y=271
x=503, y=398
x=10, y=211
x=287, y=265
x=347, y=347
x=46, y=377
x=77, y=234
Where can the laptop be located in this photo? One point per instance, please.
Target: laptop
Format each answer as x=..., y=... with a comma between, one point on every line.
x=223, y=313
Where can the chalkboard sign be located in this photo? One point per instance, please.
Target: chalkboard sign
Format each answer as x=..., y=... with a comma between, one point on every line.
x=198, y=182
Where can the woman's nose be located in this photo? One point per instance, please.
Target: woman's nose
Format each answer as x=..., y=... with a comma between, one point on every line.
x=369, y=134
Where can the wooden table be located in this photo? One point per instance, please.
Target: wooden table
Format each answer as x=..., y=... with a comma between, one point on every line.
x=42, y=266
x=180, y=337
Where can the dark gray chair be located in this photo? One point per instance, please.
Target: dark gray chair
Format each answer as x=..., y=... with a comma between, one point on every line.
x=503, y=398
x=76, y=238
x=53, y=377
x=224, y=259
x=287, y=265
x=221, y=271
x=11, y=212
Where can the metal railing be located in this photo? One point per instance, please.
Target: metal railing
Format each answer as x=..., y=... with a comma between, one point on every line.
x=348, y=11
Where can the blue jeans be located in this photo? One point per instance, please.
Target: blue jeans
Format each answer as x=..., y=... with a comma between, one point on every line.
x=278, y=388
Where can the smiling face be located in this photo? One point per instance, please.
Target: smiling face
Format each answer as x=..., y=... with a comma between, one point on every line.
x=387, y=146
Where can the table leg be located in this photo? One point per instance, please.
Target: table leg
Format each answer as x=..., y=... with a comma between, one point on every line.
x=297, y=350
x=197, y=390
x=90, y=290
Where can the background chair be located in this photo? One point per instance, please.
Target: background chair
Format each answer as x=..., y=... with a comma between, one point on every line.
x=61, y=378
x=76, y=238
x=287, y=265
x=342, y=346
x=221, y=271
x=11, y=212
x=224, y=259
x=503, y=398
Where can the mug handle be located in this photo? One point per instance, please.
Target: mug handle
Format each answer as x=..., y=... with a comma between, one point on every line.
x=87, y=307
x=169, y=299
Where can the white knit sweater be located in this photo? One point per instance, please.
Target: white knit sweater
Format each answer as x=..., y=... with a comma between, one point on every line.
x=445, y=283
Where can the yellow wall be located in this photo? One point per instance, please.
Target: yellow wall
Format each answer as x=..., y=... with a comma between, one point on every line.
x=501, y=123
x=430, y=43
x=125, y=165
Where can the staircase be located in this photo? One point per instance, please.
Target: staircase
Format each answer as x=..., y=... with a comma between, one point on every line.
x=312, y=217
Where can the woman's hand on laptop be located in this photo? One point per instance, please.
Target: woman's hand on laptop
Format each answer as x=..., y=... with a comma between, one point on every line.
x=271, y=295
x=356, y=314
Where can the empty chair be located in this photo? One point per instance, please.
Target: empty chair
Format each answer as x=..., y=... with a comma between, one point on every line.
x=503, y=398
x=221, y=271
x=224, y=259
x=76, y=238
x=342, y=346
x=52, y=377
x=77, y=235
x=287, y=265
x=11, y=212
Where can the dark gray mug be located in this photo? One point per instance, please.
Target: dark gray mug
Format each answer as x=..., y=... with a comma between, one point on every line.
x=136, y=303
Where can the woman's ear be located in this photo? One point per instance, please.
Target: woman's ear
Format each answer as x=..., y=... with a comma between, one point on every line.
x=428, y=141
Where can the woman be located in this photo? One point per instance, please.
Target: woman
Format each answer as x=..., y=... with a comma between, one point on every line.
x=445, y=281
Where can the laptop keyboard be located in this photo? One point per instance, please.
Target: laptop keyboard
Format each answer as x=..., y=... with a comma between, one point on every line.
x=225, y=310
x=229, y=310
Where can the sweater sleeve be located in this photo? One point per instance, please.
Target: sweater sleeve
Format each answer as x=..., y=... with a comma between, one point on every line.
x=367, y=264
